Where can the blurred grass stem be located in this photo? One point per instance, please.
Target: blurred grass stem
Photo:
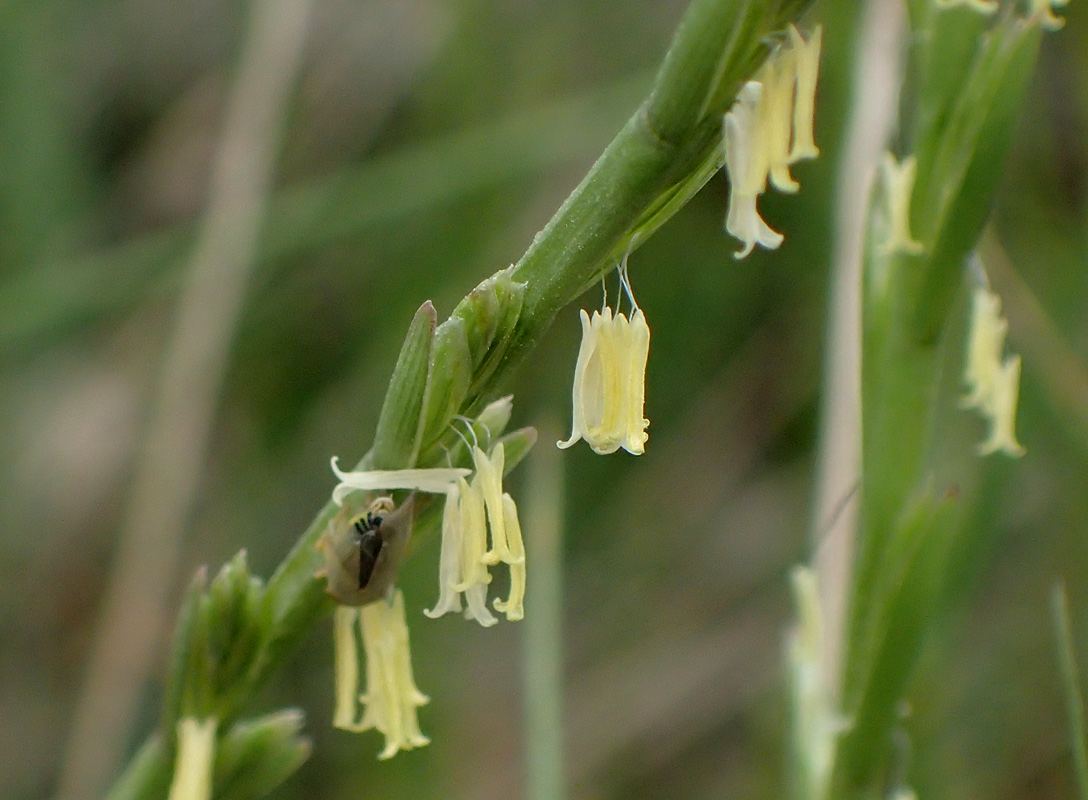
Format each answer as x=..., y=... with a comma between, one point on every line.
x=167, y=475
x=1074, y=700
x=834, y=521
x=965, y=78
x=542, y=656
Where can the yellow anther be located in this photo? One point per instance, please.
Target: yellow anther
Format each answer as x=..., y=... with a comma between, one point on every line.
x=898, y=188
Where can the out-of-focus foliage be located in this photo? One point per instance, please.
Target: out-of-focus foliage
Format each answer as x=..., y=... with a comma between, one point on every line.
x=426, y=144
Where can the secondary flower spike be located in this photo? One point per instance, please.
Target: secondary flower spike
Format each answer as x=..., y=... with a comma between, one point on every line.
x=391, y=695
x=993, y=383
x=608, y=395
x=769, y=128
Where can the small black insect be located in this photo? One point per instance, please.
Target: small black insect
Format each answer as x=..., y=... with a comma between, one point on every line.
x=362, y=550
x=369, y=530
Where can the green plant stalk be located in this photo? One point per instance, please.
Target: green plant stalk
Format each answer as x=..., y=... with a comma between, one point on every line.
x=908, y=298
x=1074, y=700
x=576, y=246
x=950, y=203
x=964, y=86
x=896, y=615
x=672, y=136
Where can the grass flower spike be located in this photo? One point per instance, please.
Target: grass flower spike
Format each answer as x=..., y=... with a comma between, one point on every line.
x=391, y=695
x=769, y=128
x=195, y=759
x=895, y=501
x=608, y=396
x=993, y=383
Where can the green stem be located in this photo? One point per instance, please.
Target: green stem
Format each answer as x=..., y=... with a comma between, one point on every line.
x=717, y=46
x=573, y=250
x=965, y=79
x=669, y=140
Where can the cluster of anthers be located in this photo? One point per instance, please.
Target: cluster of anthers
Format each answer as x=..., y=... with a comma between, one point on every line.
x=898, y=181
x=466, y=556
x=391, y=697
x=610, y=378
x=769, y=128
x=480, y=529
x=993, y=379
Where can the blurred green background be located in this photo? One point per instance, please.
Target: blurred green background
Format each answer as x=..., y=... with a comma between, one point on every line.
x=426, y=142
